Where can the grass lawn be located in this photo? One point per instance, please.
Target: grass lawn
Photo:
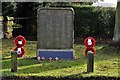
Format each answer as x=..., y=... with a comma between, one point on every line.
x=105, y=64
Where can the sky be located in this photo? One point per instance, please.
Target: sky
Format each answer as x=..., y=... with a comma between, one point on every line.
x=110, y=1
x=106, y=3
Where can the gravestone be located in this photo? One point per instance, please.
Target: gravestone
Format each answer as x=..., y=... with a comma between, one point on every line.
x=55, y=33
x=1, y=27
x=1, y=36
x=1, y=22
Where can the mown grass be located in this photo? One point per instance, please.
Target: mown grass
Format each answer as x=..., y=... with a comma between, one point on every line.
x=105, y=64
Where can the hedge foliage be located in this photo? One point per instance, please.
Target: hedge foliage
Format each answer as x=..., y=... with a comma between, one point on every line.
x=88, y=21
x=94, y=21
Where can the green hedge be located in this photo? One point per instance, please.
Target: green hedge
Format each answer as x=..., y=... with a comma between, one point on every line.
x=94, y=21
x=88, y=21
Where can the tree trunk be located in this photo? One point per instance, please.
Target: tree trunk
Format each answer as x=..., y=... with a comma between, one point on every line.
x=116, y=36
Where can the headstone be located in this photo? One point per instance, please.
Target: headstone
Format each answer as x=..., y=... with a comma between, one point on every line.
x=1, y=36
x=1, y=21
x=55, y=33
x=1, y=27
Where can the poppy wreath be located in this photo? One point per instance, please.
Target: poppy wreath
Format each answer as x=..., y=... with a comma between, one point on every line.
x=16, y=40
x=22, y=52
x=89, y=47
x=19, y=38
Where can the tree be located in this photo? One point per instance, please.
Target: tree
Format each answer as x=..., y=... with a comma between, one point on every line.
x=7, y=8
x=56, y=4
x=27, y=11
x=116, y=37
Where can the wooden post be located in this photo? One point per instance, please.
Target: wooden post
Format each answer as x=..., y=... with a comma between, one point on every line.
x=90, y=61
x=13, y=61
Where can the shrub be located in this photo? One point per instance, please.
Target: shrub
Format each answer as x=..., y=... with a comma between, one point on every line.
x=94, y=21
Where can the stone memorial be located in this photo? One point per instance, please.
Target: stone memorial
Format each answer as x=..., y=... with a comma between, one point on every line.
x=55, y=36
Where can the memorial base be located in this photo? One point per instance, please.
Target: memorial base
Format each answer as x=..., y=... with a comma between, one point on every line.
x=55, y=53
